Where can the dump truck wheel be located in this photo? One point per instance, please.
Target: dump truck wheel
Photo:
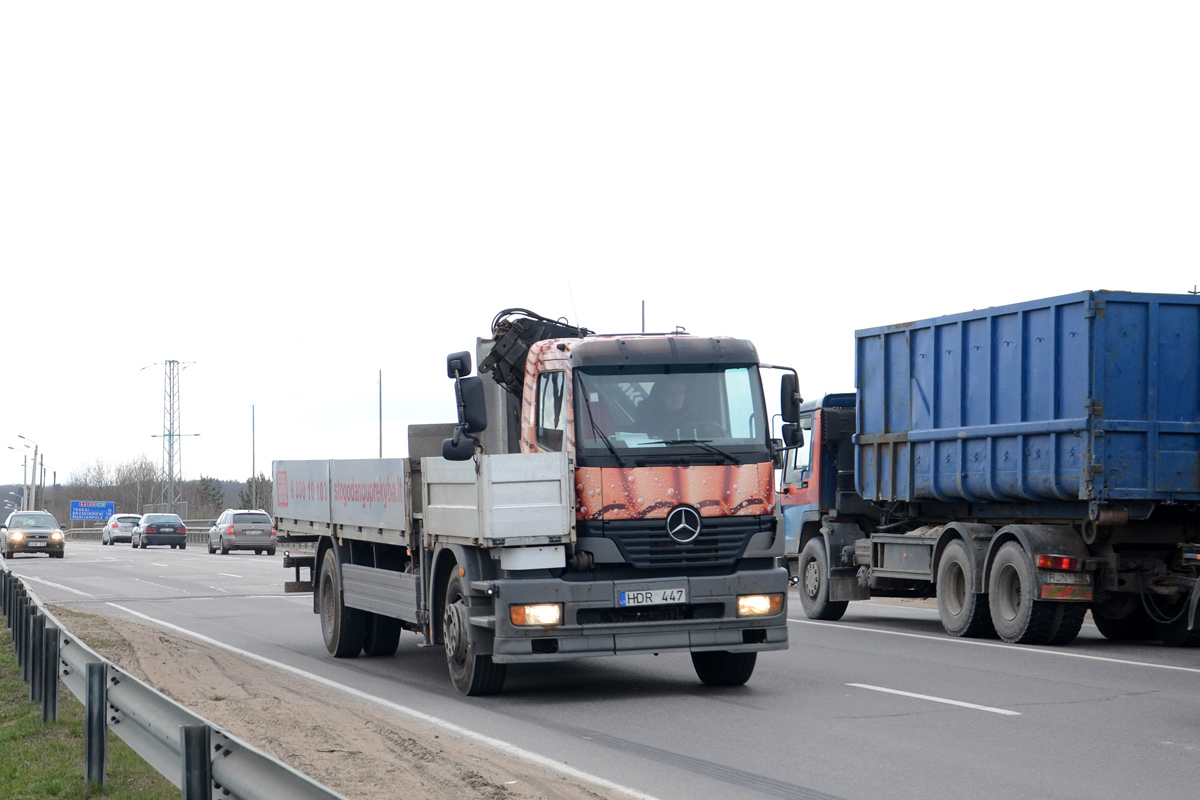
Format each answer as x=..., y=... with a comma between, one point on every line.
x=1016, y=615
x=814, y=584
x=963, y=612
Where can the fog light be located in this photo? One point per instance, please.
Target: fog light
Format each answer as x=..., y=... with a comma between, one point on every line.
x=759, y=605
x=542, y=614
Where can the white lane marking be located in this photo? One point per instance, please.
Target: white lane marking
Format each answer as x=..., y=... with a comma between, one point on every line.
x=160, y=586
x=458, y=730
x=155, y=563
x=56, y=585
x=1019, y=648
x=229, y=575
x=931, y=698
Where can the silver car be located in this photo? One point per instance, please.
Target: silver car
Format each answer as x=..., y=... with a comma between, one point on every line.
x=119, y=528
x=31, y=532
x=243, y=529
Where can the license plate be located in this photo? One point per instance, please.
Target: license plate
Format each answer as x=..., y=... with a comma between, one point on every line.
x=37, y=544
x=1067, y=578
x=651, y=597
x=166, y=530
x=252, y=533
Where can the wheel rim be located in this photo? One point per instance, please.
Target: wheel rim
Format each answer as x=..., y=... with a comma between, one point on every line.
x=328, y=607
x=455, y=632
x=1009, y=594
x=956, y=588
x=812, y=579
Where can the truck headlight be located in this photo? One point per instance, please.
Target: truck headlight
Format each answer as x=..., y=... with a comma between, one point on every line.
x=538, y=615
x=759, y=605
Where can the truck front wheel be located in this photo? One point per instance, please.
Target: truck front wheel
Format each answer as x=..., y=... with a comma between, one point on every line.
x=343, y=628
x=963, y=612
x=722, y=668
x=471, y=673
x=814, y=584
x=1017, y=616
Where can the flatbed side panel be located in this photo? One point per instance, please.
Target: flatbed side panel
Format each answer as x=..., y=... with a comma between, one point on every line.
x=524, y=496
x=528, y=495
x=1092, y=396
x=394, y=594
x=368, y=493
x=302, y=490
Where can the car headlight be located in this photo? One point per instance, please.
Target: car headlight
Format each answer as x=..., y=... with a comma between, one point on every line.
x=56, y=536
x=536, y=615
x=16, y=536
x=759, y=605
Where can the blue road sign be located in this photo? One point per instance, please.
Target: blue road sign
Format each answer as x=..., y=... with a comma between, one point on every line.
x=92, y=509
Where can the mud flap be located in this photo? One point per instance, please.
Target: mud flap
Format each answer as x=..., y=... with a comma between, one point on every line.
x=1192, y=602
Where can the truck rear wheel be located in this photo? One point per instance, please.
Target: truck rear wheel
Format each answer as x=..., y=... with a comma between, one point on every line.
x=722, y=668
x=1122, y=618
x=963, y=612
x=1068, y=619
x=382, y=635
x=1017, y=616
x=343, y=628
x=471, y=673
x=814, y=584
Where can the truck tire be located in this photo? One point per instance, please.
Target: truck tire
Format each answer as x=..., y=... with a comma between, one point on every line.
x=1121, y=618
x=1016, y=615
x=343, y=628
x=722, y=668
x=814, y=584
x=1068, y=619
x=472, y=673
x=963, y=612
x=382, y=635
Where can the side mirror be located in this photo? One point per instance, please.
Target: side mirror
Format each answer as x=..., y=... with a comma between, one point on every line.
x=789, y=397
x=459, y=448
x=458, y=364
x=793, y=436
x=472, y=408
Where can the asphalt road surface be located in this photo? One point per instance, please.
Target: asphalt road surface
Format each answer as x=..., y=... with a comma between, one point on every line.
x=881, y=704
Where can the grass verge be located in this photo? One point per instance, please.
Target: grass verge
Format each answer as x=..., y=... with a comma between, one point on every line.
x=46, y=761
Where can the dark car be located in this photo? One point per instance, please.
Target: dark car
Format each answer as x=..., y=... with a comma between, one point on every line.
x=119, y=528
x=243, y=529
x=159, y=529
x=31, y=532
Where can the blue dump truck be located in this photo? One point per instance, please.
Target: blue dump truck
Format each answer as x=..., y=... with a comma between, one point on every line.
x=1022, y=464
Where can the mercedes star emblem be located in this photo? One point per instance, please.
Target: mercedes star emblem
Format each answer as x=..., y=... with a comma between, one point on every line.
x=683, y=524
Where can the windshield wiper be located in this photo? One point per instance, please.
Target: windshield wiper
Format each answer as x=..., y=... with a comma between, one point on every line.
x=703, y=443
x=602, y=436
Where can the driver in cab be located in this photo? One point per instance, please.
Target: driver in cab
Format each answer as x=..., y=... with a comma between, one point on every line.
x=664, y=414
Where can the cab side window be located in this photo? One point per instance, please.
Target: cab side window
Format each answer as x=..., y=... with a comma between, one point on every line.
x=800, y=461
x=551, y=410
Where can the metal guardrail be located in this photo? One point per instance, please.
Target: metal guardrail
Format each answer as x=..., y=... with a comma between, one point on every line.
x=188, y=750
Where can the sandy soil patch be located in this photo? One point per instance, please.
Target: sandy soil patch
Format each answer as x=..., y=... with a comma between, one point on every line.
x=353, y=747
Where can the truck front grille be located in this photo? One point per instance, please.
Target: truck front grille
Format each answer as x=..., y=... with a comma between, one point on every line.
x=645, y=544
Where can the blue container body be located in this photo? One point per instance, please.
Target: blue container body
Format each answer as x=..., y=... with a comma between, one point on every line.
x=1087, y=398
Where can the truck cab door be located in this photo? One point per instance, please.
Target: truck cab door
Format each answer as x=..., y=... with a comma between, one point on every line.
x=800, y=491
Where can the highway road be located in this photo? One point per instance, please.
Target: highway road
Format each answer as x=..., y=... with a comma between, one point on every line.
x=881, y=704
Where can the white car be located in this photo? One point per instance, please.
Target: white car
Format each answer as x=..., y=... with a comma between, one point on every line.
x=119, y=528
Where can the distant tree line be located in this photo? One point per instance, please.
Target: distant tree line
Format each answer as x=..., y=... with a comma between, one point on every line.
x=135, y=484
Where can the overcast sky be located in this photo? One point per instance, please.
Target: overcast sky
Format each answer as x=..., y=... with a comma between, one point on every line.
x=290, y=197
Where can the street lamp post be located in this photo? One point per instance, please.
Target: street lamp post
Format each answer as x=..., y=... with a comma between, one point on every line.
x=33, y=477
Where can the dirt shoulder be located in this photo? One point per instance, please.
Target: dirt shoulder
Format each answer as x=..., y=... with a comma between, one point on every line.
x=353, y=747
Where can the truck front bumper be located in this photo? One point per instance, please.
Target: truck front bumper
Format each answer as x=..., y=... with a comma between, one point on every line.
x=594, y=623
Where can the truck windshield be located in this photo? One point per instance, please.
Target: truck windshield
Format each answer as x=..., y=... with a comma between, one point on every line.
x=700, y=408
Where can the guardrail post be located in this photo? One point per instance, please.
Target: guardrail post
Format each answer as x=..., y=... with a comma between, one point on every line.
x=4, y=589
x=50, y=673
x=31, y=611
x=96, y=724
x=195, y=745
x=14, y=622
x=35, y=657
